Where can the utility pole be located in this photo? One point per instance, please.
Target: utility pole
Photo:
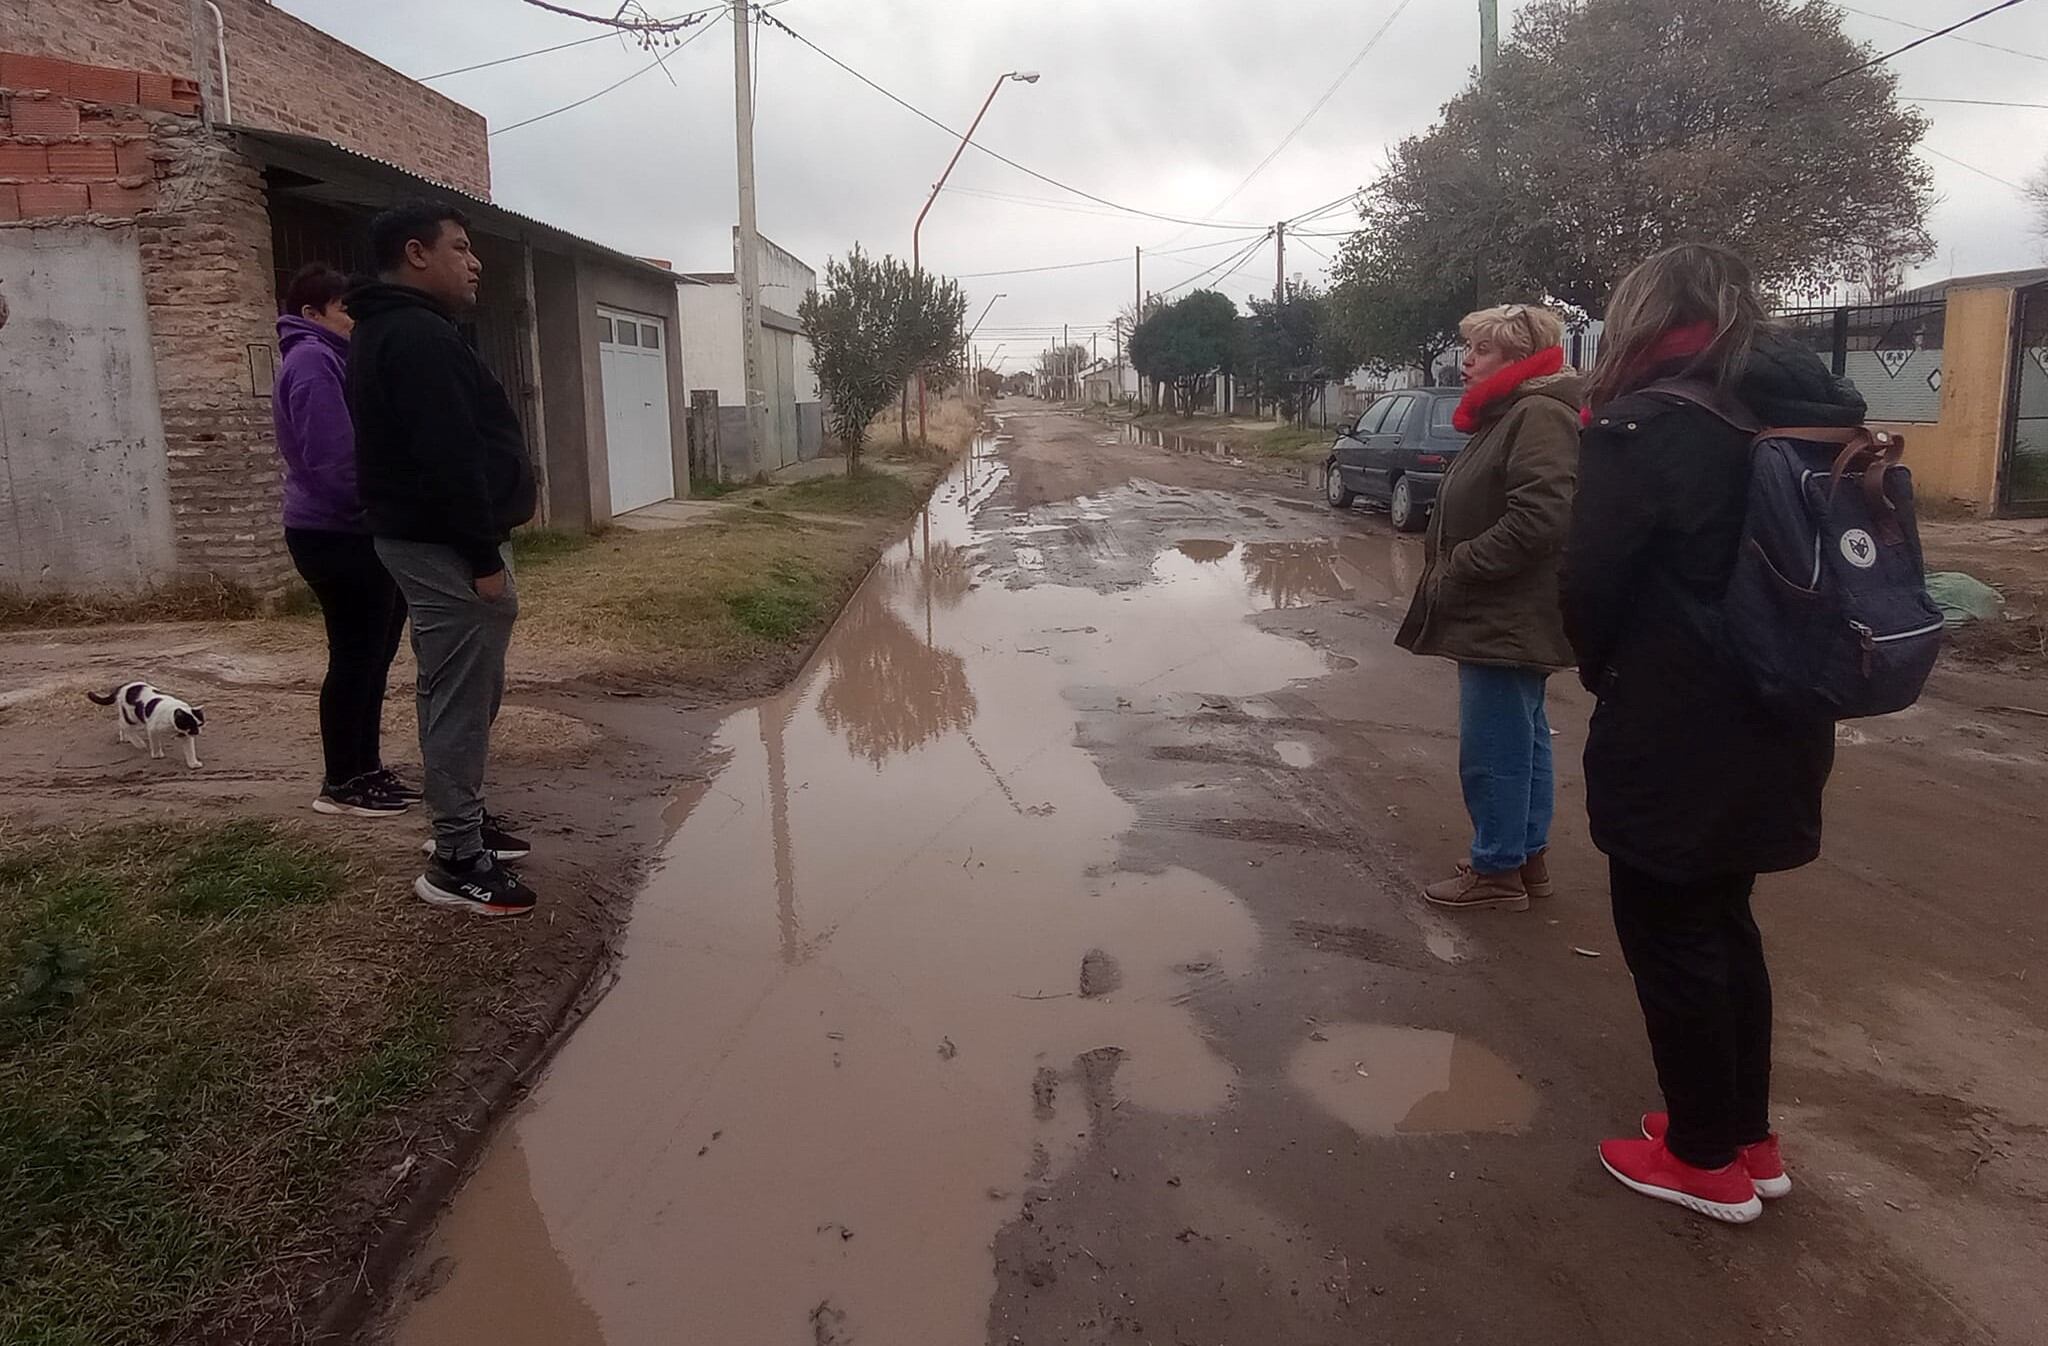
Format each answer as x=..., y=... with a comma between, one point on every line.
x=749, y=267
x=1489, y=141
x=1280, y=262
x=1066, y=365
x=1138, y=285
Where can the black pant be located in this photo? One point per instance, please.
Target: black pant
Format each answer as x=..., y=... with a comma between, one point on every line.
x=365, y=616
x=1698, y=961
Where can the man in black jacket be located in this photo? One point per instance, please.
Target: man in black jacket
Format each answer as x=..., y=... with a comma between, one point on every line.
x=445, y=478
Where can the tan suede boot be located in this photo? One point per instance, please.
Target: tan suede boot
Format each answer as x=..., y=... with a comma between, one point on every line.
x=1536, y=875
x=1469, y=889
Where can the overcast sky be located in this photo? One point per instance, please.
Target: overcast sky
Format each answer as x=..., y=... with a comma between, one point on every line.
x=1166, y=105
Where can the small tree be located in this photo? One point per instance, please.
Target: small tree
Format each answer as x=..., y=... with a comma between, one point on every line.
x=1188, y=343
x=1293, y=348
x=987, y=382
x=874, y=325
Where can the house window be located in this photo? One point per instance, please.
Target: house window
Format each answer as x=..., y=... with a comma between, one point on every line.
x=604, y=328
x=626, y=335
x=650, y=336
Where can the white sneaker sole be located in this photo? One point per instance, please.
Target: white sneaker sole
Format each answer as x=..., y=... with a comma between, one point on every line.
x=426, y=892
x=322, y=804
x=1770, y=1189
x=1742, y=1213
x=427, y=848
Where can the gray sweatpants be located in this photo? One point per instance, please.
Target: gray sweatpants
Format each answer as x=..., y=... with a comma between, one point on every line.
x=460, y=641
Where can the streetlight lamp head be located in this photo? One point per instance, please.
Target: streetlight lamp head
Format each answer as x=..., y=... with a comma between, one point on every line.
x=1028, y=76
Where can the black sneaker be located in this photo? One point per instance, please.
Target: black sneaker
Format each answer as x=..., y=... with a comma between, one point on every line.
x=359, y=798
x=388, y=781
x=502, y=844
x=482, y=886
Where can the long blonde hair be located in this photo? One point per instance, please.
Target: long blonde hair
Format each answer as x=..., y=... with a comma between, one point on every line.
x=1693, y=283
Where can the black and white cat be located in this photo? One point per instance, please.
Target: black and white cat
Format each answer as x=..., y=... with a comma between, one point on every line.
x=148, y=716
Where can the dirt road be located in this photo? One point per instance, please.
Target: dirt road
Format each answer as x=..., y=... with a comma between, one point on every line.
x=1046, y=966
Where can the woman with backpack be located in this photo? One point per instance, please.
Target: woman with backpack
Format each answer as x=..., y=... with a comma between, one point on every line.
x=1488, y=594
x=1693, y=788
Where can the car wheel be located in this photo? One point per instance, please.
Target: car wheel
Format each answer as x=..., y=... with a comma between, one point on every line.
x=1407, y=516
x=1340, y=495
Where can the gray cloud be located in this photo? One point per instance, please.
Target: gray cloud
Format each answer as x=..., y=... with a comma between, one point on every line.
x=1163, y=104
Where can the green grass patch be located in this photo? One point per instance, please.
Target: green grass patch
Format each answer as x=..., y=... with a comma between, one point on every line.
x=866, y=492
x=714, y=490
x=186, y=1059
x=1298, y=444
x=784, y=603
x=539, y=546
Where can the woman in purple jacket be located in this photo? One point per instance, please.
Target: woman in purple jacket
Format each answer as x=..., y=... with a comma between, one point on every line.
x=330, y=544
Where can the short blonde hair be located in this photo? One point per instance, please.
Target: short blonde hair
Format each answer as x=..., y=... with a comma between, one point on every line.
x=1517, y=330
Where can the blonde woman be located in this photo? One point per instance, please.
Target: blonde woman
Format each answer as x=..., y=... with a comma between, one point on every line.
x=1488, y=597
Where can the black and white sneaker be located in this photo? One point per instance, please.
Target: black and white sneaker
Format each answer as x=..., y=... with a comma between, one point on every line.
x=387, y=780
x=359, y=798
x=482, y=886
x=502, y=845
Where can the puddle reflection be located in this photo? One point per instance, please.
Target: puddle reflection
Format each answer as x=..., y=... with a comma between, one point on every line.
x=1303, y=572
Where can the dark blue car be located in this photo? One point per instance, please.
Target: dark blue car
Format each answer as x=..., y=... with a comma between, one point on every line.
x=1396, y=454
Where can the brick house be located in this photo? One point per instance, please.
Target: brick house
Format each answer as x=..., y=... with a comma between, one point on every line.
x=152, y=205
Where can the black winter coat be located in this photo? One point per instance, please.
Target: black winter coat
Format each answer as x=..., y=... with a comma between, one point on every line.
x=1687, y=777
x=439, y=454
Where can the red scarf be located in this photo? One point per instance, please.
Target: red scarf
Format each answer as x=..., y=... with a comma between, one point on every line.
x=1481, y=396
x=1678, y=344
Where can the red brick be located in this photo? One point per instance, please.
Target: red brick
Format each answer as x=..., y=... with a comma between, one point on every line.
x=35, y=72
x=154, y=91
x=131, y=159
x=10, y=204
x=110, y=198
x=83, y=159
x=41, y=199
x=43, y=116
x=98, y=84
x=23, y=161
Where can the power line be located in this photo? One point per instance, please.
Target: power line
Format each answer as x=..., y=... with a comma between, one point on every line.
x=1916, y=42
x=1988, y=46
x=1976, y=102
x=1104, y=261
x=2003, y=182
x=646, y=25
x=559, y=46
x=1240, y=257
x=999, y=158
x=616, y=84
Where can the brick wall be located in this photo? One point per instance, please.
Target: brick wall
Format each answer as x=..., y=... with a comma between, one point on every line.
x=283, y=75
x=202, y=226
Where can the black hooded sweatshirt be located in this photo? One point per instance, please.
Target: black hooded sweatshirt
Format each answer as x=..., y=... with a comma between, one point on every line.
x=439, y=454
x=1687, y=776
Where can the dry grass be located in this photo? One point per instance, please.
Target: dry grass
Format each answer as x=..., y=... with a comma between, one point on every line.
x=196, y=600
x=950, y=426
x=193, y=1044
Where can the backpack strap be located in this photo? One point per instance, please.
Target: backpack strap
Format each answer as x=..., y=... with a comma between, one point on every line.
x=1873, y=453
x=1710, y=399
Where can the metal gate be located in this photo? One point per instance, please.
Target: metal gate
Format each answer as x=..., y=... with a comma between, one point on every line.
x=2023, y=469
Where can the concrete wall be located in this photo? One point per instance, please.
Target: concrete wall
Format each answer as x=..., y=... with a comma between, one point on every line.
x=285, y=75
x=566, y=411
x=84, y=492
x=1957, y=457
x=712, y=355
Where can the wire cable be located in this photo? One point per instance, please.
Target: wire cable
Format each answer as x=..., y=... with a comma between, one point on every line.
x=1239, y=257
x=1104, y=261
x=2003, y=182
x=999, y=158
x=1988, y=46
x=1916, y=42
x=618, y=23
x=548, y=51
x=1974, y=102
x=616, y=84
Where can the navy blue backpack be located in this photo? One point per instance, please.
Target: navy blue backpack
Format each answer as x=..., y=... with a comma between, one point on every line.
x=1827, y=614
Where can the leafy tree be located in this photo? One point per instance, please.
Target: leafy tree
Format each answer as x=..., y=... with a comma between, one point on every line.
x=987, y=382
x=1624, y=126
x=1397, y=302
x=1061, y=365
x=1188, y=343
x=874, y=325
x=1293, y=348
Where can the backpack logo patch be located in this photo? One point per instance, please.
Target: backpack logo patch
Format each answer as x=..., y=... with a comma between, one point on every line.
x=1859, y=549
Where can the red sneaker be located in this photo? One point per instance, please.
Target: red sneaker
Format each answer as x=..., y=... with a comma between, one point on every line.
x=1718, y=1193
x=1764, y=1160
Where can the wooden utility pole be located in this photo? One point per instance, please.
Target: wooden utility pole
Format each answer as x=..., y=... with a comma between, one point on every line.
x=1280, y=262
x=1138, y=285
x=749, y=244
x=1489, y=141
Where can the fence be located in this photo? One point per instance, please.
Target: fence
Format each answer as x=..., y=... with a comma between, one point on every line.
x=1891, y=352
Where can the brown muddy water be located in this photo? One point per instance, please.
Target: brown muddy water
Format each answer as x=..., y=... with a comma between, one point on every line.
x=842, y=1039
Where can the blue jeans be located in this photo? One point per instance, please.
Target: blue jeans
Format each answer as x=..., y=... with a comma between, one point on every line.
x=1504, y=763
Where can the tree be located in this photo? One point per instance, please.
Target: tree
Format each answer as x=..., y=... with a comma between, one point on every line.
x=987, y=382
x=1394, y=305
x=1624, y=126
x=1293, y=348
x=1188, y=343
x=1060, y=366
x=874, y=325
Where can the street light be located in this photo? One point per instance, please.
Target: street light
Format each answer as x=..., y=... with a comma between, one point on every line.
x=916, y=257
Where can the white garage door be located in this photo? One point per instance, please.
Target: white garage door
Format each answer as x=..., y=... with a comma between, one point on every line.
x=633, y=361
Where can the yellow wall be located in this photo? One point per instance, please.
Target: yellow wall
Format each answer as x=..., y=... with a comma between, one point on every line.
x=1957, y=459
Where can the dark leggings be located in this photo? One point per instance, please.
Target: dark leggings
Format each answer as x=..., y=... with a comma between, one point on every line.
x=1698, y=961
x=365, y=615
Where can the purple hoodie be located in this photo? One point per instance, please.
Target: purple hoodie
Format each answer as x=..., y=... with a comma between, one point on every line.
x=314, y=433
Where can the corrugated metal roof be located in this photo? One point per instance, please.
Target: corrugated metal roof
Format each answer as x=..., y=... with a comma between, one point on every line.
x=301, y=150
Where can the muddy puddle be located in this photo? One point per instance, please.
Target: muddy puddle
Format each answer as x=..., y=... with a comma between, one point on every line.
x=887, y=967
x=1295, y=573
x=1215, y=449
x=1382, y=1080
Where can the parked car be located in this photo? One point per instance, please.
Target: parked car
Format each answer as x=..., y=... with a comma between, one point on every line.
x=1395, y=454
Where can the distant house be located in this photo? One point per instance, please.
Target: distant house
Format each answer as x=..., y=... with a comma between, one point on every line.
x=714, y=358
x=151, y=211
